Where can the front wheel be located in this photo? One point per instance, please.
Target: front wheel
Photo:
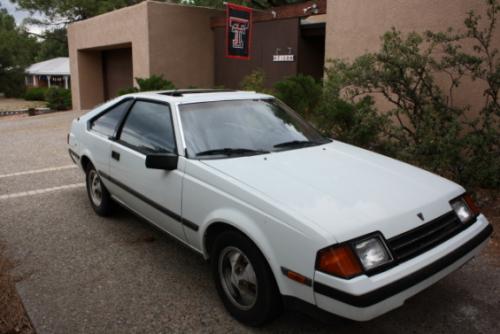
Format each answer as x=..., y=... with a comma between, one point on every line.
x=244, y=280
x=98, y=195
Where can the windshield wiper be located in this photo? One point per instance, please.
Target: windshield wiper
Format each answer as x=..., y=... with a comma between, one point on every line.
x=231, y=151
x=297, y=143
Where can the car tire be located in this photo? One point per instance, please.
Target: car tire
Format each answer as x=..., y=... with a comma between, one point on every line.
x=99, y=196
x=244, y=280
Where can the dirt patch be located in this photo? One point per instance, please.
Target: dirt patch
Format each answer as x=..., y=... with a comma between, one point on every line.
x=13, y=317
x=7, y=104
x=489, y=202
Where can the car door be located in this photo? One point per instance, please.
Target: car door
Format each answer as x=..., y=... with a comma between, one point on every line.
x=101, y=128
x=152, y=193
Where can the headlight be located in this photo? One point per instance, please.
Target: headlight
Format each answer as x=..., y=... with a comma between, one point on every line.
x=372, y=252
x=355, y=257
x=464, y=208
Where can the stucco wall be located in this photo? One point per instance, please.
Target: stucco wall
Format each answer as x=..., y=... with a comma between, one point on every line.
x=167, y=39
x=355, y=26
x=111, y=30
x=181, y=43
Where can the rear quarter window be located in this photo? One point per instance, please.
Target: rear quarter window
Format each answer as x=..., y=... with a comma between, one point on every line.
x=107, y=122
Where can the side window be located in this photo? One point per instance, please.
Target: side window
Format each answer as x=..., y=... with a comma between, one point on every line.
x=106, y=123
x=148, y=128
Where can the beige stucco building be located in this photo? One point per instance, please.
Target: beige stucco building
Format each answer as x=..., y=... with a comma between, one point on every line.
x=354, y=27
x=108, y=51
x=185, y=43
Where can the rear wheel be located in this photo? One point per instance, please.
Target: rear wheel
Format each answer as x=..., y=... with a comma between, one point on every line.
x=244, y=280
x=98, y=194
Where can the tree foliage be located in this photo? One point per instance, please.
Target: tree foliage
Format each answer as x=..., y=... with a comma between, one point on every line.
x=67, y=11
x=258, y=4
x=52, y=44
x=17, y=50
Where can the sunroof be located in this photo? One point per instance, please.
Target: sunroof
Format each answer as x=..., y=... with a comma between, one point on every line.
x=180, y=92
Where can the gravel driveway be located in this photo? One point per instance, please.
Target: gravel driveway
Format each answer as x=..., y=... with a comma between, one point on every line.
x=86, y=274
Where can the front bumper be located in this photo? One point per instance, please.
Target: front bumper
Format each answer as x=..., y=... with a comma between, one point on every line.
x=364, y=298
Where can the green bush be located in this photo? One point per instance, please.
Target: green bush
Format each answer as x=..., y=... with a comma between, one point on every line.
x=154, y=82
x=358, y=123
x=12, y=82
x=300, y=92
x=255, y=82
x=35, y=94
x=58, y=98
x=128, y=90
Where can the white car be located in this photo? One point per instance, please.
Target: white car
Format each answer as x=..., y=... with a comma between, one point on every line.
x=285, y=215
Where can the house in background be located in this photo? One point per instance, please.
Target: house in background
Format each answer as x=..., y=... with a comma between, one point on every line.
x=48, y=73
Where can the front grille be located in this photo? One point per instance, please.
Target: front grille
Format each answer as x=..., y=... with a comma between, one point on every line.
x=419, y=240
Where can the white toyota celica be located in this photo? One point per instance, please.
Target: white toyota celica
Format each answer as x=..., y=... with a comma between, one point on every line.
x=285, y=215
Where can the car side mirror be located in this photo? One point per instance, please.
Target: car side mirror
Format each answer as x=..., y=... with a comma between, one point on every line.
x=165, y=161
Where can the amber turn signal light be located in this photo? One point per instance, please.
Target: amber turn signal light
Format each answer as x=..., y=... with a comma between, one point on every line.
x=339, y=261
x=471, y=204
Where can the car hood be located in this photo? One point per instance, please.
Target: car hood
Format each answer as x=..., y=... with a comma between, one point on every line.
x=346, y=191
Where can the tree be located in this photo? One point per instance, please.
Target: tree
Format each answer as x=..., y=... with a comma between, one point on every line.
x=17, y=50
x=67, y=11
x=53, y=43
x=58, y=14
x=258, y=4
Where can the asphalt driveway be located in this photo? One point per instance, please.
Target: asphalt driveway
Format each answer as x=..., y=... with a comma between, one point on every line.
x=85, y=274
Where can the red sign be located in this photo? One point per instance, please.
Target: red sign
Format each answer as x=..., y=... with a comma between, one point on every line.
x=238, y=31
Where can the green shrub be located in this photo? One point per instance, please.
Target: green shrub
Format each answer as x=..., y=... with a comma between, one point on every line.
x=154, y=82
x=11, y=82
x=300, y=92
x=255, y=82
x=35, y=94
x=128, y=90
x=358, y=123
x=58, y=98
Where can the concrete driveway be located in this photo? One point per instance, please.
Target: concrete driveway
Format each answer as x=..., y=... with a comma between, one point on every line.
x=85, y=274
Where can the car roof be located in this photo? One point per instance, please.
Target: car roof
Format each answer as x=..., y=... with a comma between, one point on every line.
x=199, y=95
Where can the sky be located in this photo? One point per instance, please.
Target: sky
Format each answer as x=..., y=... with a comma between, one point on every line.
x=20, y=15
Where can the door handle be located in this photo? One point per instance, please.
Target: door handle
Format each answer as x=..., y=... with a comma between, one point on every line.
x=115, y=155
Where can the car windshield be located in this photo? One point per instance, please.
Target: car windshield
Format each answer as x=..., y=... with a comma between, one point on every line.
x=244, y=127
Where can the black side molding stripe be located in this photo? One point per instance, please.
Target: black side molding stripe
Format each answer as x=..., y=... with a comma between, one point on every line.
x=189, y=224
x=406, y=282
x=148, y=201
x=72, y=154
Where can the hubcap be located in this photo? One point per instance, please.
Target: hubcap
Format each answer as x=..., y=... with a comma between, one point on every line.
x=238, y=278
x=95, y=188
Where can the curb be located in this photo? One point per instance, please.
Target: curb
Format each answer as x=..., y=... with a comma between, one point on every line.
x=31, y=112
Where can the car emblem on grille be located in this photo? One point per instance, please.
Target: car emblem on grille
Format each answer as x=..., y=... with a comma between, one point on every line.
x=421, y=216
